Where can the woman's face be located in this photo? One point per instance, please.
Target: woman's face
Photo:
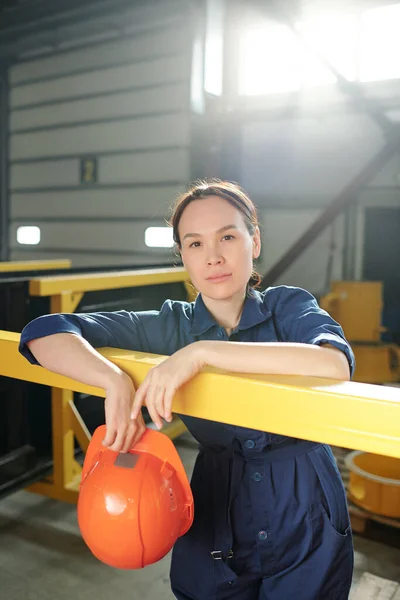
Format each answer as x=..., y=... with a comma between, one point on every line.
x=216, y=247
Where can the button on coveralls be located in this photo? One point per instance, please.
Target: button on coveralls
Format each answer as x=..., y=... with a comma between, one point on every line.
x=271, y=519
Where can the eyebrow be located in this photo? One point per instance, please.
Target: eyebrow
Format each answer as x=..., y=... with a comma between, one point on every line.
x=224, y=228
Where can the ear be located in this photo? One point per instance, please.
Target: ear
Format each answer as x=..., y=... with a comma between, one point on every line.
x=256, y=243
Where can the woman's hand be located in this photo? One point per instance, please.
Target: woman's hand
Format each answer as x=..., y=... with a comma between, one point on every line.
x=122, y=431
x=158, y=388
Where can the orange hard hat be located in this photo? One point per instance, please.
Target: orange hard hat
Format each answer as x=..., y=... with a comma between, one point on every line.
x=132, y=507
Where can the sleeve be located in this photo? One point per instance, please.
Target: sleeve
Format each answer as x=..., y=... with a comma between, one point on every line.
x=146, y=331
x=300, y=319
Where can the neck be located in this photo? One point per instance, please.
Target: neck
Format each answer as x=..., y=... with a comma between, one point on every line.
x=227, y=311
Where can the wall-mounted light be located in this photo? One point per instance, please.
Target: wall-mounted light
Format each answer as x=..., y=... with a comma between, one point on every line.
x=158, y=237
x=28, y=235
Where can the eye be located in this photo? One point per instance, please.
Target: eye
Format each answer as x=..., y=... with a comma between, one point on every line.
x=231, y=237
x=193, y=245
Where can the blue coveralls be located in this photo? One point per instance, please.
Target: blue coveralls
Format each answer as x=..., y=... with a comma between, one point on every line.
x=271, y=519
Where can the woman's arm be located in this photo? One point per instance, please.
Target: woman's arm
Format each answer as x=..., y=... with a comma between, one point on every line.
x=272, y=358
x=65, y=344
x=71, y=355
x=276, y=358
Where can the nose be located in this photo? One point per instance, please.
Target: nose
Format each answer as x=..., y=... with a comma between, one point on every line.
x=214, y=258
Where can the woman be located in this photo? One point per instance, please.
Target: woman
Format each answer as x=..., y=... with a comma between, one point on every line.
x=271, y=520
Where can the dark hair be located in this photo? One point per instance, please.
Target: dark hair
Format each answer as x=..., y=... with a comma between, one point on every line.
x=232, y=193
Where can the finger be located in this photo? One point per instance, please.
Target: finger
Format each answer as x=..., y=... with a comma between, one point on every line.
x=139, y=398
x=159, y=400
x=130, y=436
x=120, y=439
x=138, y=435
x=154, y=415
x=168, y=397
x=110, y=436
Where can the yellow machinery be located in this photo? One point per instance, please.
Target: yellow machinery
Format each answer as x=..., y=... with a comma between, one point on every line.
x=357, y=306
x=375, y=483
x=374, y=480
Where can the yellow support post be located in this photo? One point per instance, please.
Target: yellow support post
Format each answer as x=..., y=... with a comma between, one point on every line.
x=66, y=470
x=66, y=302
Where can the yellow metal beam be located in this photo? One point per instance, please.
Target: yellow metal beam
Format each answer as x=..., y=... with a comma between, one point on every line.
x=57, y=284
x=34, y=265
x=348, y=414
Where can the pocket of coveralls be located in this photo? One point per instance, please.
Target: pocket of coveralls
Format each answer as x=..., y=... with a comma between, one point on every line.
x=333, y=494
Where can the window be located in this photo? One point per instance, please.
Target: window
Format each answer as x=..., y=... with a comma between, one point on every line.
x=363, y=46
x=269, y=61
x=29, y=235
x=158, y=237
x=380, y=43
x=214, y=47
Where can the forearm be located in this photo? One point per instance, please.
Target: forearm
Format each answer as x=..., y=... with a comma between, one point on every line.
x=72, y=356
x=276, y=359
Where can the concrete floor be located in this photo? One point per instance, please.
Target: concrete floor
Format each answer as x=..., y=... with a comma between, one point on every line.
x=42, y=556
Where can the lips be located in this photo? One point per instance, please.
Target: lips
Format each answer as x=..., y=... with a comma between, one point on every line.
x=219, y=277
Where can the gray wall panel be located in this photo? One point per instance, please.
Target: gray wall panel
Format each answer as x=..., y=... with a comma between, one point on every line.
x=128, y=50
x=150, y=132
x=146, y=73
x=94, y=202
x=44, y=174
x=167, y=98
x=299, y=159
x=149, y=167
x=127, y=237
x=125, y=100
x=281, y=228
x=166, y=166
x=389, y=175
